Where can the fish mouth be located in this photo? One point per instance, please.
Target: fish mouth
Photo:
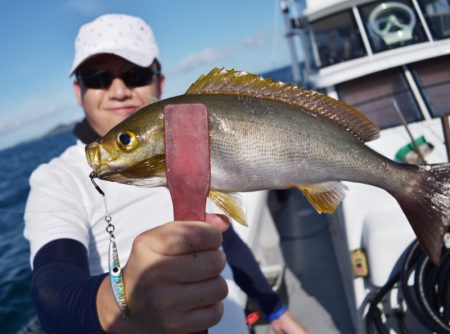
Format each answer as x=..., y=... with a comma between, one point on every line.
x=103, y=175
x=99, y=158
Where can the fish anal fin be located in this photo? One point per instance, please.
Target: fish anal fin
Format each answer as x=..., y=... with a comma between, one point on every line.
x=231, y=204
x=324, y=197
x=231, y=82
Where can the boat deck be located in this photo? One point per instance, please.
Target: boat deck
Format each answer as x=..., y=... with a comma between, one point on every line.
x=317, y=294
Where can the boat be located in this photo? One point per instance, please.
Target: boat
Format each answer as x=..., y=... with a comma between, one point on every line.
x=390, y=60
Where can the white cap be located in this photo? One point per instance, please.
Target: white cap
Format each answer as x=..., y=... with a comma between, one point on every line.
x=126, y=36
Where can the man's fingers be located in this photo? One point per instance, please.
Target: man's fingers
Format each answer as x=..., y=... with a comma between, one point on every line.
x=195, y=320
x=221, y=222
x=185, y=307
x=190, y=268
x=187, y=297
x=203, y=318
x=178, y=238
x=204, y=294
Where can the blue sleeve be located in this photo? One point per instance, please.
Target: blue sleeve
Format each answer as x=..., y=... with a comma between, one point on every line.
x=62, y=291
x=249, y=276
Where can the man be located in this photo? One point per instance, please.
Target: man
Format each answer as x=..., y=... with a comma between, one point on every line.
x=175, y=277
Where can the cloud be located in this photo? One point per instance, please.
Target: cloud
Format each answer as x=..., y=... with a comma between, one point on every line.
x=85, y=7
x=210, y=56
x=34, y=110
x=7, y=126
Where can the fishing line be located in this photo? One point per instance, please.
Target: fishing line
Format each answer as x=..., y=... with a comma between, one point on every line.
x=115, y=271
x=109, y=227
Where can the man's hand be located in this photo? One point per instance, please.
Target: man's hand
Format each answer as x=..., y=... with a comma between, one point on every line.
x=172, y=281
x=287, y=324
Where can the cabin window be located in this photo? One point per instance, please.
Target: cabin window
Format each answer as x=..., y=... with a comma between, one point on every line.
x=433, y=79
x=336, y=39
x=391, y=24
x=437, y=14
x=374, y=94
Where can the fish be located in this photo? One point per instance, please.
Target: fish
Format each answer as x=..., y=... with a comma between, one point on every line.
x=267, y=134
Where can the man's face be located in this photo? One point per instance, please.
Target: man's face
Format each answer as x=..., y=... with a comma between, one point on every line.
x=107, y=107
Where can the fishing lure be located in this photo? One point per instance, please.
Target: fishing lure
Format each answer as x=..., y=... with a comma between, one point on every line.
x=116, y=279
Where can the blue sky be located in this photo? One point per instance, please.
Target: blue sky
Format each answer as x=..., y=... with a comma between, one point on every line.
x=37, y=44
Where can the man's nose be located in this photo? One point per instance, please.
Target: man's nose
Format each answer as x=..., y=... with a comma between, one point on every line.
x=118, y=90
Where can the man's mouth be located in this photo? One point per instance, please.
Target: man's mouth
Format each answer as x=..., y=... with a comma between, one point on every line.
x=123, y=111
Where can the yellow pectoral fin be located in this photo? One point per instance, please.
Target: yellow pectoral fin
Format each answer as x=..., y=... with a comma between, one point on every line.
x=324, y=197
x=231, y=204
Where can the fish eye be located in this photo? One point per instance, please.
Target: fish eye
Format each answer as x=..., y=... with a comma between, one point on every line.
x=127, y=140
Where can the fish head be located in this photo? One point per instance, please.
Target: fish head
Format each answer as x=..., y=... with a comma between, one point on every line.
x=133, y=151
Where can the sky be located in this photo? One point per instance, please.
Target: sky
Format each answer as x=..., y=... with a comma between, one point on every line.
x=37, y=46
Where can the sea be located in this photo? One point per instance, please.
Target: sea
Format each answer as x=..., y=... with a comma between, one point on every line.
x=16, y=165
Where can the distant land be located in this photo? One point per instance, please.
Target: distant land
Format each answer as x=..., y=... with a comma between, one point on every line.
x=57, y=130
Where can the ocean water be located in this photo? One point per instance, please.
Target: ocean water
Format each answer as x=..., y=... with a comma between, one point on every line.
x=16, y=165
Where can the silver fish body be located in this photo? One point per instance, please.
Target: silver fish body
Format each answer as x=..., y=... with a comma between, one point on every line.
x=268, y=135
x=261, y=144
x=258, y=144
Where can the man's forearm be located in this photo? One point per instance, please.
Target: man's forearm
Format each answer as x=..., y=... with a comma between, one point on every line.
x=62, y=292
x=248, y=274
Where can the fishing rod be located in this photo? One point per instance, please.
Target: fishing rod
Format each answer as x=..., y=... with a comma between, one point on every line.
x=405, y=125
x=446, y=130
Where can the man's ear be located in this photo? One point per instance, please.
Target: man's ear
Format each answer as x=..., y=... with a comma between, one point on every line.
x=77, y=91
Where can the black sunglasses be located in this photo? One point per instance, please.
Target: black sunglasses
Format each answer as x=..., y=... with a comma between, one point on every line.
x=102, y=79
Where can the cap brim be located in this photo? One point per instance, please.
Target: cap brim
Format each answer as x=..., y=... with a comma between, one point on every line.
x=136, y=57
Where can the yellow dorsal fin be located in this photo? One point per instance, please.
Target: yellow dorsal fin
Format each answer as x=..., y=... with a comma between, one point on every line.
x=324, y=197
x=221, y=81
x=231, y=204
